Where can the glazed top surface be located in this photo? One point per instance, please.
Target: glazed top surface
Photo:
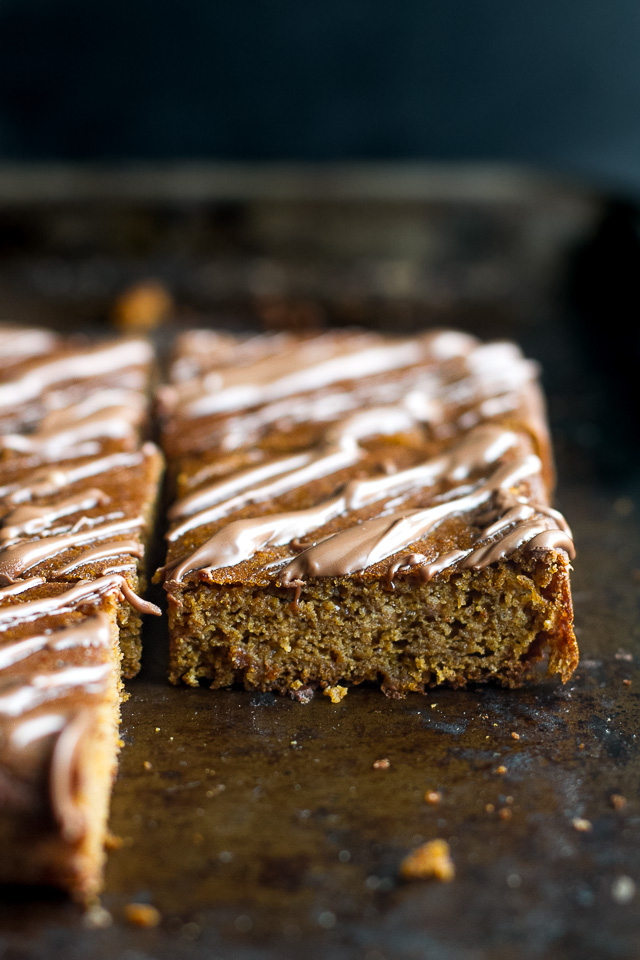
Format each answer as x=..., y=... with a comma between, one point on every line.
x=347, y=453
x=72, y=399
x=76, y=486
x=59, y=662
x=20, y=343
x=283, y=390
x=58, y=665
x=85, y=518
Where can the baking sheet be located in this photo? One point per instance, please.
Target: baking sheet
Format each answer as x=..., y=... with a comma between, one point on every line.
x=262, y=829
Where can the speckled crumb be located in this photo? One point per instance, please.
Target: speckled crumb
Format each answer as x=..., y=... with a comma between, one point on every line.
x=476, y=626
x=582, y=825
x=336, y=693
x=142, y=915
x=431, y=860
x=96, y=918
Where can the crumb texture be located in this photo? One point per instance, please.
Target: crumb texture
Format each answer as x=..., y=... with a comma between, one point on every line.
x=471, y=628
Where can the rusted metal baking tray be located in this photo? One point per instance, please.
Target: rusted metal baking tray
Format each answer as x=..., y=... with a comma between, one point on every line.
x=258, y=826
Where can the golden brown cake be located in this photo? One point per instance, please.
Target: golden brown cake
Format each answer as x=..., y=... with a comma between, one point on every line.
x=77, y=398
x=353, y=508
x=86, y=518
x=59, y=714
x=78, y=486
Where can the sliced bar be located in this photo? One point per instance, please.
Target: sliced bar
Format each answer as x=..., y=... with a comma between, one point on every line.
x=59, y=715
x=77, y=399
x=91, y=517
x=78, y=488
x=357, y=508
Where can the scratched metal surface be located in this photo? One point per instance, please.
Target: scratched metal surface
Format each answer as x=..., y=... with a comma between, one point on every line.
x=262, y=830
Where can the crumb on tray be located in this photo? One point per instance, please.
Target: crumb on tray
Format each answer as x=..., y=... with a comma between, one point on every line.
x=430, y=860
x=582, y=825
x=142, y=306
x=336, y=693
x=623, y=889
x=96, y=918
x=113, y=842
x=142, y=915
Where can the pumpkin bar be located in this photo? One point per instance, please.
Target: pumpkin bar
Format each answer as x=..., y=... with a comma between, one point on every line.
x=353, y=508
x=59, y=715
x=78, y=486
x=84, y=519
x=76, y=398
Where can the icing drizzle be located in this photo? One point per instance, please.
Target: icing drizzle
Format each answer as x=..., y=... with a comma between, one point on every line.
x=440, y=383
x=79, y=365
x=19, y=557
x=365, y=543
x=58, y=658
x=33, y=532
x=452, y=376
x=317, y=362
x=51, y=685
x=48, y=482
x=83, y=592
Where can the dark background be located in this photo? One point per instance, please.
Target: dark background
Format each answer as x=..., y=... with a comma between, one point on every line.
x=553, y=83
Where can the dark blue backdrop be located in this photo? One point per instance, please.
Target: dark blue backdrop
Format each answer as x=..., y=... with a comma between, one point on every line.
x=555, y=82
